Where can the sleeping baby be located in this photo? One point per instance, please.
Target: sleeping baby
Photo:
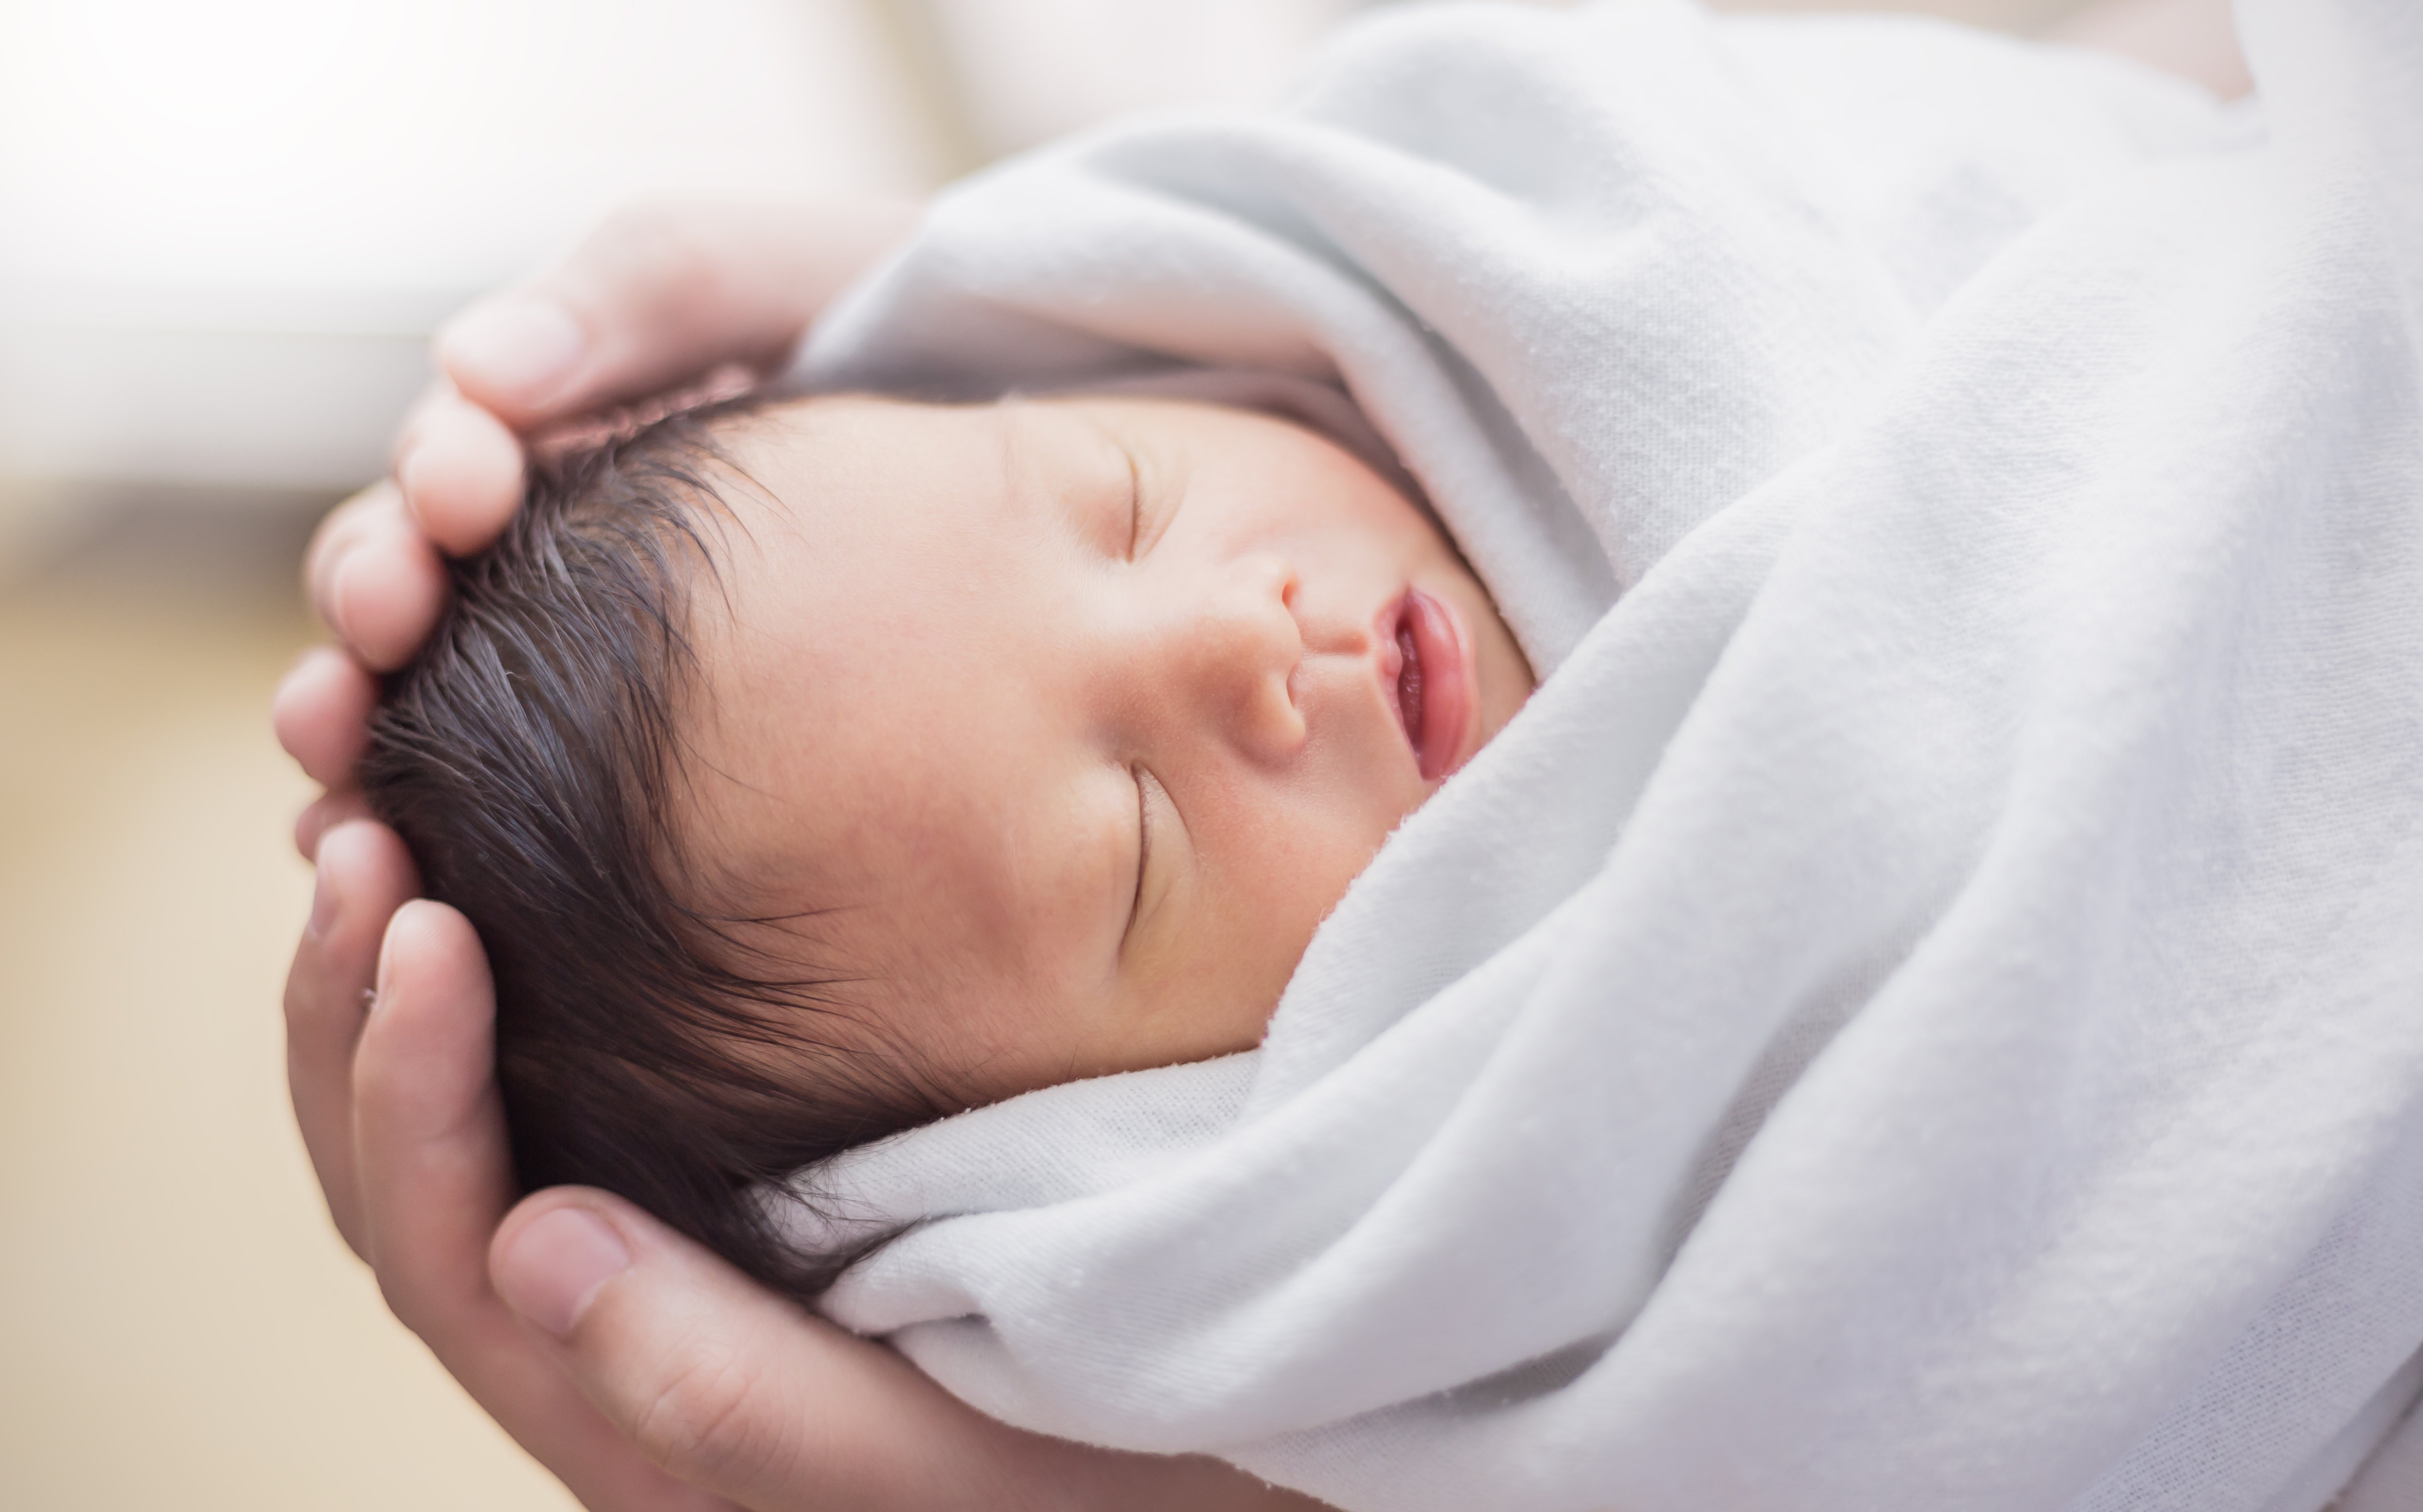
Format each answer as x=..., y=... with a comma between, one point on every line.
x=1640, y=762
x=822, y=766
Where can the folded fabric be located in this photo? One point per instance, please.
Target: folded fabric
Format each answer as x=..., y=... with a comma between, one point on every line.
x=1925, y=1008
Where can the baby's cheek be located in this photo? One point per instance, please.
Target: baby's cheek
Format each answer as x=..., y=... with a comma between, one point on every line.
x=1298, y=881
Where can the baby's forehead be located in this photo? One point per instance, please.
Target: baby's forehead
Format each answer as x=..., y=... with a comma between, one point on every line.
x=847, y=487
x=842, y=471
x=842, y=428
x=846, y=738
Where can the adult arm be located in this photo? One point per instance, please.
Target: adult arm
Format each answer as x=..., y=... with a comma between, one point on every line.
x=643, y=1371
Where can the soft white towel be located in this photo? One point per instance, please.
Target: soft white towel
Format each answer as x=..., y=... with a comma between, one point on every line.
x=1925, y=1009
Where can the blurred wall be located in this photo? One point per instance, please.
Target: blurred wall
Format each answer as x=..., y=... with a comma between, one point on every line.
x=227, y=229
x=232, y=227
x=179, y=1326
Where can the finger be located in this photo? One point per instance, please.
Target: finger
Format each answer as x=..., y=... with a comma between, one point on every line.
x=386, y=593
x=375, y=578
x=736, y=1390
x=661, y=292
x=363, y=875
x=322, y=714
x=434, y=1177
x=380, y=504
x=726, y=1385
x=459, y=471
x=428, y=1130
x=324, y=814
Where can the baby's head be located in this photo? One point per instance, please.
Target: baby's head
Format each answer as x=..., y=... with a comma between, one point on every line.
x=814, y=768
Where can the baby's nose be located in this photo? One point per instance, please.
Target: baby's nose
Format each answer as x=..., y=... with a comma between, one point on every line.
x=1238, y=652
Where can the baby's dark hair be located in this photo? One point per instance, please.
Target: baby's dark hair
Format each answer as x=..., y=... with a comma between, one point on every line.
x=533, y=759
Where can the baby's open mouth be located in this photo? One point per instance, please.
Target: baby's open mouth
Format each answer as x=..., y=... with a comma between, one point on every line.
x=1432, y=677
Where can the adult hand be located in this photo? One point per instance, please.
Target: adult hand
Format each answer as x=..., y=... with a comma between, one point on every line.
x=642, y=1370
x=658, y=294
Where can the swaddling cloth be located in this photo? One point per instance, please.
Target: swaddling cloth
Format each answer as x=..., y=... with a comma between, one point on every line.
x=1925, y=1008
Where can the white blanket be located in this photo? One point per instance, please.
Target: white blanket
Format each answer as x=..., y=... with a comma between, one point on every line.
x=1925, y=1009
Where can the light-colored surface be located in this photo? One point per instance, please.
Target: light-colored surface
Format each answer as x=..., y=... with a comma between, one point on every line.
x=231, y=227
x=1038, y=69
x=179, y=1326
x=2022, y=16
x=397, y=143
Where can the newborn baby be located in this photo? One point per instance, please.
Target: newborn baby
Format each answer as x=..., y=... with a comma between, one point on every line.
x=814, y=768
x=1914, y=1012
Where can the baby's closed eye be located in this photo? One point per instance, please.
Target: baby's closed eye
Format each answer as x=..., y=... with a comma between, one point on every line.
x=1156, y=822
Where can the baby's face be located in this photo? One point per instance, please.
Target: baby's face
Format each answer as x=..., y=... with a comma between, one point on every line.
x=1052, y=728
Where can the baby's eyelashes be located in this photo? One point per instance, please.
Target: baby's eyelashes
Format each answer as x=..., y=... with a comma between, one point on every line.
x=1143, y=847
x=1151, y=499
x=1155, y=813
x=1135, y=503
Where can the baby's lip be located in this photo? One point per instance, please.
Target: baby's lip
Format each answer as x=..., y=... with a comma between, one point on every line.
x=1426, y=669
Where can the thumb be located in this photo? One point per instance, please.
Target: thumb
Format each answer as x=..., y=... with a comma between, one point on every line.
x=738, y=1391
x=659, y=294
x=745, y=1395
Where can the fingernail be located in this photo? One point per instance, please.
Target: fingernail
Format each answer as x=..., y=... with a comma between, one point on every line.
x=525, y=347
x=556, y=1265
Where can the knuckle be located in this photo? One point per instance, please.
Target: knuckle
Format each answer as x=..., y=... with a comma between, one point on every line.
x=706, y=1421
x=348, y=1225
x=656, y=250
x=305, y=1011
x=415, y=426
x=656, y=242
x=402, y=1300
x=345, y=528
x=340, y=525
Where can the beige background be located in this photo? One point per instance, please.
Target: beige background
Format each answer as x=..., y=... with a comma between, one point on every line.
x=179, y=1326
